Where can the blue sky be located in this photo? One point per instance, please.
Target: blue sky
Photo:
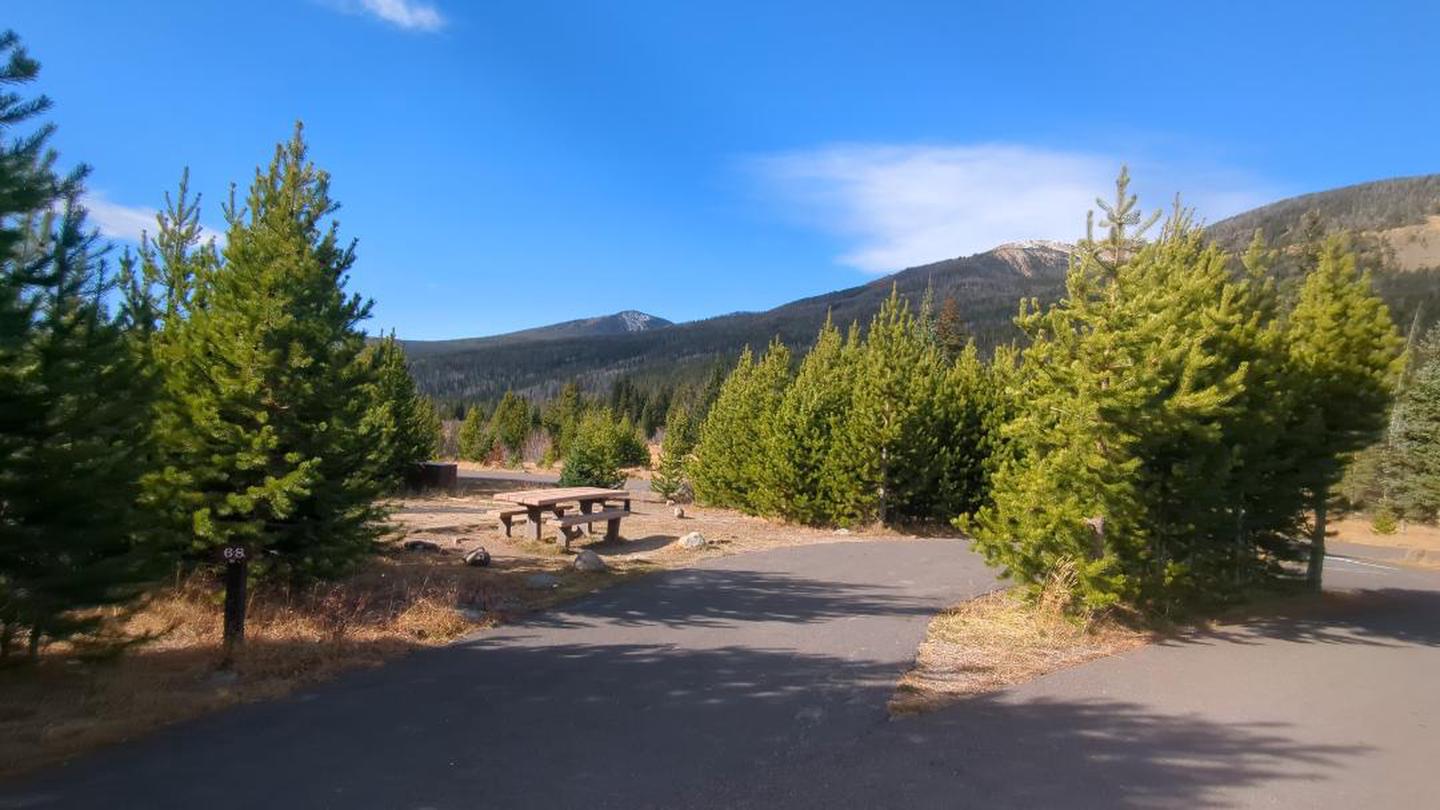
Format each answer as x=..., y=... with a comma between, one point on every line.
x=510, y=163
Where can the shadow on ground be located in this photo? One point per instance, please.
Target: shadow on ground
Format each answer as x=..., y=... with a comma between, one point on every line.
x=1382, y=617
x=714, y=598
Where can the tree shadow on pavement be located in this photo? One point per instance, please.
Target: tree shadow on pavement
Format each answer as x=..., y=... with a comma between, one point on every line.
x=996, y=751
x=715, y=598
x=1383, y=617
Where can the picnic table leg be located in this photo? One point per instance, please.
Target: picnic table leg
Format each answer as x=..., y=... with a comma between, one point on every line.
x=533, y=512
x=585, y=507
x=612, y=529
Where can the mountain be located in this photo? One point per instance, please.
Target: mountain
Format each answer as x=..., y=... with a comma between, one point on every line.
x=1396, y=227
x=621, y=323
x=537, y=362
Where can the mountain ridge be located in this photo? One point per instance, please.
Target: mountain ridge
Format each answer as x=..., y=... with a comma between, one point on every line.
x=1396, y=223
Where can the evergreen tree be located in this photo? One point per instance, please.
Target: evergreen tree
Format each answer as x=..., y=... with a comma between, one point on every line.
x=510, y=424
x=730, y=457
x=814, y=408
x=681, y=434
x=596, y=454
x=1344, y=355
x=561, y=417
x=1121, y=467
x=950, y=329
x=888, y=462
x=74, y=397
x=476, y=441
x=266, y=393
x=403, y=426
x=1416, y=467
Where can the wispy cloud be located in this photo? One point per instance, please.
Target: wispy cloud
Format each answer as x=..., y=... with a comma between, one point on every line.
x=127, y=222
x=898, y=206
x=411, y=15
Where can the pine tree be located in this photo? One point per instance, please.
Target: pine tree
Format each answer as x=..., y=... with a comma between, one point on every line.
x=510, y=424
x=1416, y=467
x=681, y=434
x=476, y=441
x=1344, y=354
x=561, y=417
x=1122, y=466
x=403, y=426
x=950, y=329
x=595, y=455
x=74, y=397
x=264, y=432
x=814, y=407
x=888, y=463
x=730, y=458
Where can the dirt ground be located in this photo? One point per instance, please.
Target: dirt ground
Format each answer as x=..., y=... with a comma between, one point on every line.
x=1421, y=542
x=82, y=696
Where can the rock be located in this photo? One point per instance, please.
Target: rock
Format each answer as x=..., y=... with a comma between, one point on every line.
x=473, y=614
x=842, y=531
x=693, y=540
x=421, y=545
x=669, y=501
x=678, y=512
x=477, y=556
x=542, y=582
x=588, y=560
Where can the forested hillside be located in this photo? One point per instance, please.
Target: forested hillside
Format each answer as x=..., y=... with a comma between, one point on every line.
x=986, y=288
x=1395, y=226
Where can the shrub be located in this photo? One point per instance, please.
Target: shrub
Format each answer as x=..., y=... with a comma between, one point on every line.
x=595, y=454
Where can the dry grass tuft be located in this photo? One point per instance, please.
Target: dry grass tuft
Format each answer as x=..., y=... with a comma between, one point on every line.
x=1001, y=639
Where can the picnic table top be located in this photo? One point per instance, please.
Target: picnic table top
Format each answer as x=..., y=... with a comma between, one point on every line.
x=554, y=495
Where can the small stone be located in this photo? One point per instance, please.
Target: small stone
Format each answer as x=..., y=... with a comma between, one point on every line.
x=473, y=614
x=542, y=582
x=421, y=545
x=588, y=560
x=478, y=557
x=842, y=531
x=678, y=512
x=693, y=540
x=669, y=501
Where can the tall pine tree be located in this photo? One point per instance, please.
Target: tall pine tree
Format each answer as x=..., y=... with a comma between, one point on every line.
x=267, y=393
x=1344, y=354
x=74, y=396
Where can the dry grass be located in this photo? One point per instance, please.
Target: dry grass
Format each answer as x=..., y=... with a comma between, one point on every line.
x=1001, y=639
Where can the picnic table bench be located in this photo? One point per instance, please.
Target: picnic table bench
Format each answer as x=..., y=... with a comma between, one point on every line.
x=536, y=503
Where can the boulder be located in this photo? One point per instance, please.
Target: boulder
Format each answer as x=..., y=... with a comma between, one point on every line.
x=693, y=540
x=478, y=557
x=421, y=545
x=588, y=560
x=542, y=582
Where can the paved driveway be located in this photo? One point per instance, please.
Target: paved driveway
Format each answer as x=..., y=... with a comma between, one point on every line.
x=759, y=681
x=638, y=696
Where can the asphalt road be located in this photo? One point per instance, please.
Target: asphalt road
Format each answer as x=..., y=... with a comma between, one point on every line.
x=759, y=681
x=630, y=698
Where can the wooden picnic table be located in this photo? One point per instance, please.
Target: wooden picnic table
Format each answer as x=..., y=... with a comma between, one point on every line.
x=539, y=501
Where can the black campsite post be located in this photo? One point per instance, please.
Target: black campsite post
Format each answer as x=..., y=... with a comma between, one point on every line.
x=237, y=570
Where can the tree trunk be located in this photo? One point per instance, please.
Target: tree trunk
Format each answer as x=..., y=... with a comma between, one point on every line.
x=1316, y=570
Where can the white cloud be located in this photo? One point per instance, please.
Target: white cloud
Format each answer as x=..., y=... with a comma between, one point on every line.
x=899, y=206
x=411, y=15
x=127, y=222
